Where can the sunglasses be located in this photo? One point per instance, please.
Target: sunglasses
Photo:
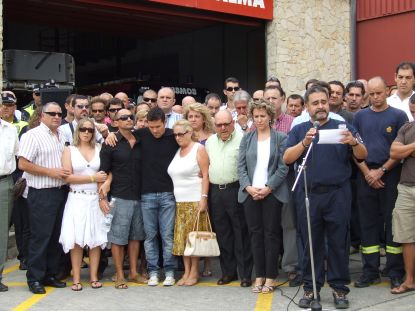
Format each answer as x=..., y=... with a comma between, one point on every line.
x=114, y=109
x=53, y=114
x=180, y=134
x=230, y=89
x=146, y=99
x=82, y=106
x=126, y=117
x=97, y=110
x=90, y=130
x=37, y=93
x=222, y=124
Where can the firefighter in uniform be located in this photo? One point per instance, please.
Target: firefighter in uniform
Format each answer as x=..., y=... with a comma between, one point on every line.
x=328, y=174
x=377, y=185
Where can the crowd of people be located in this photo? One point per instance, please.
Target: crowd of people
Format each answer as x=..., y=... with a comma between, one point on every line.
x=134, y=178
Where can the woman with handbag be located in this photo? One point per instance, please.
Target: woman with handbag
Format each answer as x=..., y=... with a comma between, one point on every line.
x=263, y=189
x=190, y=191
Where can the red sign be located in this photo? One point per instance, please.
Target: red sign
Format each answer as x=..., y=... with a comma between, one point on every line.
x=253, y=8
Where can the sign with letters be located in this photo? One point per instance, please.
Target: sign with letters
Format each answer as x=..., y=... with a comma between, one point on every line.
x=262, y=9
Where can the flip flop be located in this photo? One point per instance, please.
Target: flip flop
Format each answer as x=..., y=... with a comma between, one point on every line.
x=268, y=289
x=96, y=284
x=402, y=290
x=139, y=279
x=121, y=285
x=76, y=287
x=257, y=289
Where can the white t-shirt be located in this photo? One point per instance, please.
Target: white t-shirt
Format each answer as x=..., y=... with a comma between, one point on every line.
x=260, y=178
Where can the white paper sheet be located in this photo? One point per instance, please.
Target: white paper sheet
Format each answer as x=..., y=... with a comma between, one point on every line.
x=330, y=136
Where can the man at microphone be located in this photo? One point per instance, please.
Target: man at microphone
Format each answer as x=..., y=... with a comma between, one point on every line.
x=328, y=173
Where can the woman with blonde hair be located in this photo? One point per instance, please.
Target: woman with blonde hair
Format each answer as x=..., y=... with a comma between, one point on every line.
x=200, y=120
x=83, y=221
x=191, y=193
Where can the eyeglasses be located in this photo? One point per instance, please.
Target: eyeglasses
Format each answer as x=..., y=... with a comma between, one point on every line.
x=53, y=114
x=223, y=124
x=114, y=109
x=82, y=106
x=90, y=130
x=126, y=117
x=146, y=99
x=230, y=88
x=180, y=134
x=97, y=110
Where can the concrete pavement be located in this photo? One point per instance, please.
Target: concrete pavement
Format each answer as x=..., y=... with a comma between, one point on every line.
x=206, y=296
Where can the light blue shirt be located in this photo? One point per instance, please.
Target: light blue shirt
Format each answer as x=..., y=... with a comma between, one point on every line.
x=304, y=117
x=171, y=118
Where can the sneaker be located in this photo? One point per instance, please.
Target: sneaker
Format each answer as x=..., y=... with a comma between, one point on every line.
x=365, y=281
x=154, y=280
x=308, y=297
x=340, y=300
x=169, y=280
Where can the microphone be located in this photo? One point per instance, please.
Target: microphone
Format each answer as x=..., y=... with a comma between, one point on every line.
x=316, y=124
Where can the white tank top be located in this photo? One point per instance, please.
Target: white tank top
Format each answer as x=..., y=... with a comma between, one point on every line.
x=184, y=172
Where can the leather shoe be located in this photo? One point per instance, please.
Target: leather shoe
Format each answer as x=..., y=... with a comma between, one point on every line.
x=246, y=283
x=3, y=288
x=396, y=282
x=52, y=282
x=23, y=265
x=226, y=280
x=36, y=288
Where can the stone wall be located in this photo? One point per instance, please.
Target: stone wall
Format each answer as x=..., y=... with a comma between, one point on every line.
x=309, y=39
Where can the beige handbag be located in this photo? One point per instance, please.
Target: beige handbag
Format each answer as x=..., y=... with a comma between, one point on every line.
x=202, y=243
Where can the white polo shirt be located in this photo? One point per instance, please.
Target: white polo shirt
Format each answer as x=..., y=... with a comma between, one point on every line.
x=395, y=101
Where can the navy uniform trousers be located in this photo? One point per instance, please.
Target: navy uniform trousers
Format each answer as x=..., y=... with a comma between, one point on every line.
x=330, y=217
x=376, y=205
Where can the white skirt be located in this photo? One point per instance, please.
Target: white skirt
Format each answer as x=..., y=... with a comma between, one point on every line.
x=82, y=223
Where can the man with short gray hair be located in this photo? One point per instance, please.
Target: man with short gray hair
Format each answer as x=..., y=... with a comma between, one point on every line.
x=241, y=101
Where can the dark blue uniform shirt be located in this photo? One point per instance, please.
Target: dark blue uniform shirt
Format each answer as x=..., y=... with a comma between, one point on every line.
x=327, y=164
x=378, y=131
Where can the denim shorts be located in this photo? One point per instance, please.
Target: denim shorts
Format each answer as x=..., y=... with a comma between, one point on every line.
x=127, y=224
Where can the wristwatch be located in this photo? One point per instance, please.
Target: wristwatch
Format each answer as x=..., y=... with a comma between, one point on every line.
x=384, y=169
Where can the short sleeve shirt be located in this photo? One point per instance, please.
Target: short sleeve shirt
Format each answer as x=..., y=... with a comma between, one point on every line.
x=406, y=136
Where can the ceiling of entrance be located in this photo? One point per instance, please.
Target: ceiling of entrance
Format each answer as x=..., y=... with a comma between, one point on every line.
x=141, y=19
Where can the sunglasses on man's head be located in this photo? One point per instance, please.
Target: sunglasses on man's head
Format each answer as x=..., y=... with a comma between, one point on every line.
x=86, y=129
x=53, y=114
x=230, y=88
x=125, y=117
x=146, y=99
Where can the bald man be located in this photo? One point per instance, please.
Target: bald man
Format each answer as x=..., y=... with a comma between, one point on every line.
x=165, y=101
x=377, y=184
x=124, y=98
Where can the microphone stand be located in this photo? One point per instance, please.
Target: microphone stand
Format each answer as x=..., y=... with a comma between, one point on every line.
x=315, y=304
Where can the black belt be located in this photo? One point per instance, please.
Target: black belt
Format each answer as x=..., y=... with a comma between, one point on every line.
x=4, y=177
x=234, y=184
x=323, y=188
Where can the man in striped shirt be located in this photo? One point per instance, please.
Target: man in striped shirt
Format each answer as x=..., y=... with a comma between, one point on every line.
x=40, y=155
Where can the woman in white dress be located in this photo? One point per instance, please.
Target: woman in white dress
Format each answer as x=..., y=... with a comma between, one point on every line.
x=83, y=221
x=191, y=193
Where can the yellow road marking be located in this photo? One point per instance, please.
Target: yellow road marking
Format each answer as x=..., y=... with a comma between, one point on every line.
x=264, y=302
x=11, y=269
x=25, y=305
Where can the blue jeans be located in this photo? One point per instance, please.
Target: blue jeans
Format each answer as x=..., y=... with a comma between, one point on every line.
x=159, y=209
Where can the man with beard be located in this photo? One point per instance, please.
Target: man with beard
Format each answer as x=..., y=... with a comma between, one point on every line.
x=328, y=172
